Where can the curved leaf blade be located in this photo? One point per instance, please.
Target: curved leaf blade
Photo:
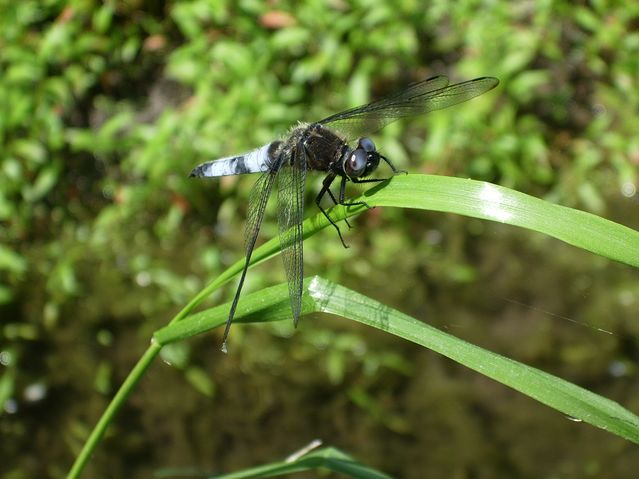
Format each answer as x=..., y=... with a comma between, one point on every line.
x=321, y=295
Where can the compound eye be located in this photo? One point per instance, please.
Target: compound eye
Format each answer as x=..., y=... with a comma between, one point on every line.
x=357, y=162
x=367, y=145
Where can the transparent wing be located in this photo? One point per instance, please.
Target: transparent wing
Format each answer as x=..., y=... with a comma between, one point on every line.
x=290, y=205
x=419, y=98
x=257, y=205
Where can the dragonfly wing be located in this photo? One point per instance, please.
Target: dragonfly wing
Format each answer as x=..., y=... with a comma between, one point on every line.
x=257, y=205
x=422, y=97
x=291, y=184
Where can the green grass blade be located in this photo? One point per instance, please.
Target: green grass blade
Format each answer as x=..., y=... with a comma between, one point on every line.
x=483, y=200
x=497, y=203
x=466, y=197
x=325, y=458
x=321, y=295
x=436, y=193
x=267, y=305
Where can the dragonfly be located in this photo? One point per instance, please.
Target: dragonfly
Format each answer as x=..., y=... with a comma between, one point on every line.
x=336, y=146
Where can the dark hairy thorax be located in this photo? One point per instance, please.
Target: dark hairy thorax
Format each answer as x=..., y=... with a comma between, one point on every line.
x=322, y=146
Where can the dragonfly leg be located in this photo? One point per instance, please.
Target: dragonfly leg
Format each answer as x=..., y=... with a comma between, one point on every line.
x=369, y=180
x=395, y=170
x=342, y=192
x=326, y=189
x=332, y=196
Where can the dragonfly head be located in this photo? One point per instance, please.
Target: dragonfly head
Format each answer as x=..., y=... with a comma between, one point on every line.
x=361, y=161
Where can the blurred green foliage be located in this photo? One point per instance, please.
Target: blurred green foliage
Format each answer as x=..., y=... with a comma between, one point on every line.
x=106, y=106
